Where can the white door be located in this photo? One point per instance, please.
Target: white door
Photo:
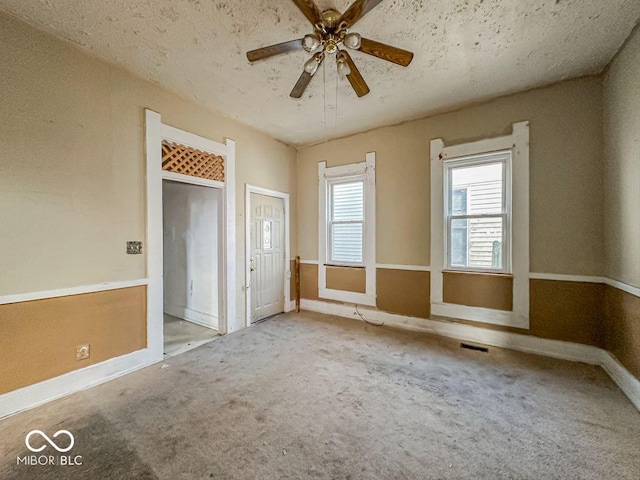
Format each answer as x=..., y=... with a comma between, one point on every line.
x=267, y=256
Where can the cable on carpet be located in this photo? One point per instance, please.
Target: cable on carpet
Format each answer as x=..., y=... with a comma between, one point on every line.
x=367, y=321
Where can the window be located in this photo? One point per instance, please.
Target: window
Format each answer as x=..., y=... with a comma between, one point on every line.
x=480, y=221
x=477, y=206
x=347, y=229
x=345, y=215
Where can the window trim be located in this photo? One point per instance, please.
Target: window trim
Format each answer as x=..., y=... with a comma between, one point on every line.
x=518, y=144
x=505, y=158
x=325, y=175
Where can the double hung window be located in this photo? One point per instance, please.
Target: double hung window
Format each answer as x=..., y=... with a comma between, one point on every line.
x=477, y=211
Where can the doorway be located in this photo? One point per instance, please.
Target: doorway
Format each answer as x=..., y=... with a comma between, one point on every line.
x=267, y=252
x=192, y=259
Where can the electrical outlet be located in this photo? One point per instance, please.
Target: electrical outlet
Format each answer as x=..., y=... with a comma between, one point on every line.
x=82, y=352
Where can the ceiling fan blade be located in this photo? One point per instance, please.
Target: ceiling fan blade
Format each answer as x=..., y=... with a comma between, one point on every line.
x=355, y=79
x=305, y=78
x=301, y=85
x=310, y=10
x=270, y=51
x=386, y=52
x=356, y=11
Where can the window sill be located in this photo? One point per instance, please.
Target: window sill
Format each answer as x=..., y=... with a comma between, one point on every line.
x=337, y=265
x=480, y=272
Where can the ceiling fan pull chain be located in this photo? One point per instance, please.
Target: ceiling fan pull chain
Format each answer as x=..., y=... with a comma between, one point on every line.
x=335, y=122
x=324, y=88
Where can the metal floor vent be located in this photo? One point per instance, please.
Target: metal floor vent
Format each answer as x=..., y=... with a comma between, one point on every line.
x=477, y=348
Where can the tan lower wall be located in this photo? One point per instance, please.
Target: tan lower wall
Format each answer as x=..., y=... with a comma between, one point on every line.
x=559, y=310
x=309, y=281
x=567, y=311
x=346, y=279
x=404, y=292
x=38, y=339
x=478, y=290
x=570, y=311
x=622, y=331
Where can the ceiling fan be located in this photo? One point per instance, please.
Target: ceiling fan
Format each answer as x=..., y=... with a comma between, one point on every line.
x=331, y=36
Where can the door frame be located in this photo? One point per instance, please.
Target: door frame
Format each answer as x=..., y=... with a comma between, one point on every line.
x=249, y=189
x=212, y=184
x=156, y=131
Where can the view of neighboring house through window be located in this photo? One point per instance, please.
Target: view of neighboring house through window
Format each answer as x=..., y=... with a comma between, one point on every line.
x=346, y=221
x=477, y=213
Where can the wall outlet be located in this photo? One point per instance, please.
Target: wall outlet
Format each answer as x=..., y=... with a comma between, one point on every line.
x=82, y=352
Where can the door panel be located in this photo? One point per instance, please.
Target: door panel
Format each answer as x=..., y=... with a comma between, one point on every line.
x=267, y=256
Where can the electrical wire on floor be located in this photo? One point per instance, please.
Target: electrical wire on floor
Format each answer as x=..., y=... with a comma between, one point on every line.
x=367, y=321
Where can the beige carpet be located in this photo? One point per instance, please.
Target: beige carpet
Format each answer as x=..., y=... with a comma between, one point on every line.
x=181, y=336
x=310, y=396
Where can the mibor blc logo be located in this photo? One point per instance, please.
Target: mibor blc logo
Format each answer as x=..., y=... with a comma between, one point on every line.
x=63, y=443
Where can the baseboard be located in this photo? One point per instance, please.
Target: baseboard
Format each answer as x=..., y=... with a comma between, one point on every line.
x=193, y=316
x=525, y=343
x=290, y=307
x=627, y=382
x=43, y=392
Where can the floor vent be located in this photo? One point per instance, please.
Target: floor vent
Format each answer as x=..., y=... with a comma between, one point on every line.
x=474, y=347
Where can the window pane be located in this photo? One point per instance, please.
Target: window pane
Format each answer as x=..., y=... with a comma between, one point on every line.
x=459, y=242
x=476, y=243
x=346, y=242
x=483, y=186
x=348, y=201
x=266, y=234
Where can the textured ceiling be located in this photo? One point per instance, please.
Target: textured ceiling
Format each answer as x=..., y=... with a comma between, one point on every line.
x=465, y=51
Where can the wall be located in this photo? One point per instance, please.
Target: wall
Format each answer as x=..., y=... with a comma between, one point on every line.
x=622, y=201
x=39, y=338
x=566, y=201
x=72, y=166
x=192, y=246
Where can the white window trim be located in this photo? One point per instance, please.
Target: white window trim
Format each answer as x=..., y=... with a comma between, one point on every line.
x=518, y=144
x=368, y=169
x=507, y=179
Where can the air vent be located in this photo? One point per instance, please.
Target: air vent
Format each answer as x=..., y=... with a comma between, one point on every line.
x=477, y=348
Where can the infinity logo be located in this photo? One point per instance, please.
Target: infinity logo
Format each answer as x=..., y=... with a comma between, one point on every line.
x=44, y=435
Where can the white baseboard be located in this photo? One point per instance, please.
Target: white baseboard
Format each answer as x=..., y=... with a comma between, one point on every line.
x=290, y=307
x=54, y=388
x=525, y=343
x=193, y=316
x=628, y=383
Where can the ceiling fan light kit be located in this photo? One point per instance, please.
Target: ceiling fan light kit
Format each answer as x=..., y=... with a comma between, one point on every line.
x=331, y=36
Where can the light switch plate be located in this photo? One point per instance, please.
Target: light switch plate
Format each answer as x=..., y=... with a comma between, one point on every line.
x=134, y=248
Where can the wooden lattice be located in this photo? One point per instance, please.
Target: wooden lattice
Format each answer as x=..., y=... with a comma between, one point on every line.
x=190, y=161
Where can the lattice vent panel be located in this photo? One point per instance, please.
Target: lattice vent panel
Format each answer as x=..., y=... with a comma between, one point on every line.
x=179, y=158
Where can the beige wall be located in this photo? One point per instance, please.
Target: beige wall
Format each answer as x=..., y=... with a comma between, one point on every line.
x=622, y=163
x=72, y=185
x=566, y=176
x=622, y=202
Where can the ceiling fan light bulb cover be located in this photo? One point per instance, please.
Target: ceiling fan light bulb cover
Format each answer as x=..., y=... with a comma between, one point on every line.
x=353, y=41
x=311, y=65
x=343, y=68
x=310, y=42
